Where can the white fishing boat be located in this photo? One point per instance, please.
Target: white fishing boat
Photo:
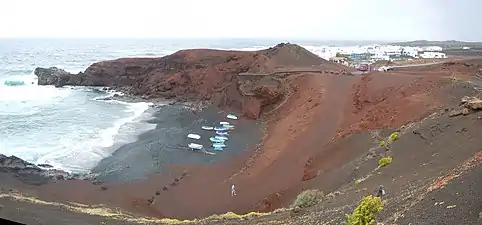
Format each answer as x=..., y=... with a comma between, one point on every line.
x=221, y=132
x=194, y=136
x=219, y=145
x=232, y=116
x=207, y=128
x=223, y=123
x=221, y=137
x=220, y=128
x=195, y=146
x=218, y=149
x=216, y=140
x=228, y=126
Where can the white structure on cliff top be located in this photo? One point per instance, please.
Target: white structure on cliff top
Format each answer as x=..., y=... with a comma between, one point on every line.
x=378, y=52
x=433, y=55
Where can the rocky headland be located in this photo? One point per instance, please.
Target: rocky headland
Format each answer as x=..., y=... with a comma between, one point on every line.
x=247, y=82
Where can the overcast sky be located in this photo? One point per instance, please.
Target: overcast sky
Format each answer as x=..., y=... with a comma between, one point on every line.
x=306, y=19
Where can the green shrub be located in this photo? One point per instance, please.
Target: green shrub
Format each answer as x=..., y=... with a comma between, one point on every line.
x=384, y=161
x=308, y=198
x=383, y=144
x=366, y=212
x=393, y=137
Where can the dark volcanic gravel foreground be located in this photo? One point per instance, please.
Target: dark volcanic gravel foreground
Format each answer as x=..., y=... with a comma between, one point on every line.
x=167, y=144
x=461, y=203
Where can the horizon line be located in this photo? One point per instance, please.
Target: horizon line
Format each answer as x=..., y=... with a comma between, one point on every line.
x=282, y=39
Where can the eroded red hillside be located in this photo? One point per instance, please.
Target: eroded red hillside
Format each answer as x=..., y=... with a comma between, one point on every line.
x=204, y=75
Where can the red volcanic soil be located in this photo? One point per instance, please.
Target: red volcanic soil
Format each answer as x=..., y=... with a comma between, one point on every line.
x=316, y=110
x=206, y=75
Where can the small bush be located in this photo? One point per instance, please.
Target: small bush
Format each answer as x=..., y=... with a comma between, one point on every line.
x=393, y=137
x=384, y=161
x=308, y=198
x=383, y=144
x=366, y=212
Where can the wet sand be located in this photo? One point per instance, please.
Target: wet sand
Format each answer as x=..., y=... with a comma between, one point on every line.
x=167, y=144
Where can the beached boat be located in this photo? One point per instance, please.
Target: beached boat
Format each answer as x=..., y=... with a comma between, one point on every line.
x=221, y=137
x=232, y=116
x=221, y=132
x=219, y=145
x=194, y=136
x=228, y=126
x=220, y=128
x=216, y=140
x=217, y=149
x=207, y=128
x=195, y=146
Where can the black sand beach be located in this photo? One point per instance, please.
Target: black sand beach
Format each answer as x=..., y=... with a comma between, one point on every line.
x=167, y=144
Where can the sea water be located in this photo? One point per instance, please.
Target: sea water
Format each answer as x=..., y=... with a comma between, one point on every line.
x=72, y=128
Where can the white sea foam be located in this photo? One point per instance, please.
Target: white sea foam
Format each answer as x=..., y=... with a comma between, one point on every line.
x=83, y=157
x=136, y=110
x=71, y=128
x=26, y=100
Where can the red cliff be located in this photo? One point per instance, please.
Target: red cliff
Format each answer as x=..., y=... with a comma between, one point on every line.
x=244, y=81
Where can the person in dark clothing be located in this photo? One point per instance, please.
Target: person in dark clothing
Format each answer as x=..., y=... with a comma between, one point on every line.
x=381, y=191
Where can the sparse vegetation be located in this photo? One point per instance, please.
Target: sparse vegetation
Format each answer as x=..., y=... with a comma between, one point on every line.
x=383, y=144
x=308, y=198
x=384, y=161
x=366, y=212
x=386, y=143
x=393, y=137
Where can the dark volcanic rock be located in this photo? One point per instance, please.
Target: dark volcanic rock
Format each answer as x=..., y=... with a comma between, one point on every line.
x=45, y=165
x=30, y=173
x=206, y=75
x=53, y=76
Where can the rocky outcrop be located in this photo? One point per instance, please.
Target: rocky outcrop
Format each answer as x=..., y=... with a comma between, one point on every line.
x=471, y=103
x=53, y=76
x=467, y=104
x=197, y=75
x=34, y=174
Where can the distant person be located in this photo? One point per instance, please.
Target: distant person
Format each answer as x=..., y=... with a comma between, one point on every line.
x=233, y=190
x=381, y=191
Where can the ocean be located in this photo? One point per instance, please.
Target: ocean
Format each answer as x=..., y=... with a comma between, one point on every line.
x=72, y=128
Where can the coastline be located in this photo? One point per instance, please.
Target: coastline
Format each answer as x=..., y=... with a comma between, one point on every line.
x=152, y=150
x=166, y=144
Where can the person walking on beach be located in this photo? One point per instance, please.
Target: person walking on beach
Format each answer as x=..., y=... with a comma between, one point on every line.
x=233, y=190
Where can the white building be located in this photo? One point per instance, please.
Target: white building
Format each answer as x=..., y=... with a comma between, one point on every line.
x=433, y=55
x=410, y=51
x=432, y=48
